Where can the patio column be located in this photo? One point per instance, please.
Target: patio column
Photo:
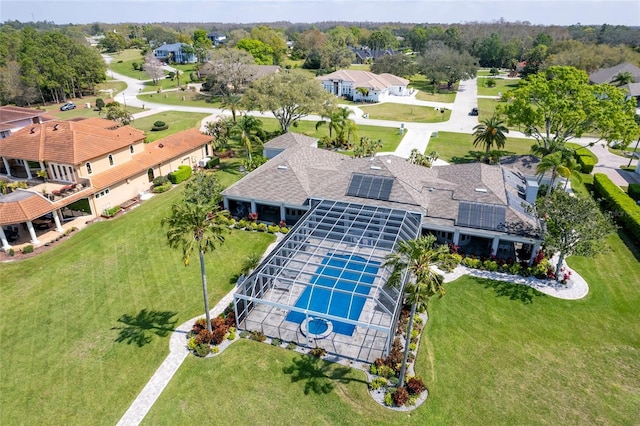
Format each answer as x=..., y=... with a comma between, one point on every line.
x=56, y=219
x=456, y=237
x=254, y=209
x=494, y=246
x=27, y=169
x=42, y=166
x=534, y=252
x=6, y=166
x=3, y=238
x=32, y=232
x=225, y=203
x=283, y=213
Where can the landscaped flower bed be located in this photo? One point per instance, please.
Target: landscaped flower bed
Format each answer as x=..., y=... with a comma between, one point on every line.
x=201, y=342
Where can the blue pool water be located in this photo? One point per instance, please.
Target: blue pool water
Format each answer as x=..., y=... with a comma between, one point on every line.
x=317, y=326
x=316, y=298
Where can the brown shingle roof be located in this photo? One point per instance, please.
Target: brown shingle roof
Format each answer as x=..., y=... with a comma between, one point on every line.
x=69, y=142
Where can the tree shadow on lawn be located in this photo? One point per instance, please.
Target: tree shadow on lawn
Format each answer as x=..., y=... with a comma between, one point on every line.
x=139, y=329
x=518, y=292
x=319, y=375
x=476, y=156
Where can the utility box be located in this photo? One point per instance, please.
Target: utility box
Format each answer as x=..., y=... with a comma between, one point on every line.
x=401, y=128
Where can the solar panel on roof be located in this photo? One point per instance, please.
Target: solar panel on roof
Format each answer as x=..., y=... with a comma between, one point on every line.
x=483, y=216
x=369, y=186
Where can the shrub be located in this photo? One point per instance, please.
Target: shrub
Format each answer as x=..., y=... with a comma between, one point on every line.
x=203, y=337
x=11, y=252
x=318, y=352
x=158, y=189
x=284, y=230
x=99, y=104
x=291, y=346
x=262, y=227
x=258, y=336
x=413, y=346
x=471, y=262
x=27, y=249
x=373, y=369
x=627, y=212
x=191, y=344
x=159, y=125
x=202, y=350
x=400, y=396
x=213, y=162
x=393, y=381
x=386, y=371
x=215, y=350
x=415, y=386
x=183, y=173
x=388, y=399
x=490, y=82
x=244, y=334
x=276, y=342
x=634, y=191
x=490, y=265
x=273, y=229
x=232, y=334
x=111, y=212
x=242, y=224
x=160, y=180
x=378, y=383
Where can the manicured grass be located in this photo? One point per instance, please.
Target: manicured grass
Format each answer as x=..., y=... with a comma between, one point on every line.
x=486, y=108
x=82, y=111
x=458, y=147
x=175, y=98
x=408, y=113
x=177, y=121
x=426, y=90
x=493, y=353
x=86, y=324
x=502, y=86
x=128, y=57
x=360, y=67
x=390, y=136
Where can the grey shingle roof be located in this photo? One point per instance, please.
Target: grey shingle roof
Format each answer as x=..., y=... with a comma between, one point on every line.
x=302, y=172
x=605, y=75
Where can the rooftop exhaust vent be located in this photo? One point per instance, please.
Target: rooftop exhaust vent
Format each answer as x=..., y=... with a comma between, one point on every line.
x=55, y=127
x=283, y=168
x=376, y=168
x=481, y=190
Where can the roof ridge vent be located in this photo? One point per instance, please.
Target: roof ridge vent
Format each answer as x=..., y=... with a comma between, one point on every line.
x=481, y=189
x=376, y=168
x=282, y=167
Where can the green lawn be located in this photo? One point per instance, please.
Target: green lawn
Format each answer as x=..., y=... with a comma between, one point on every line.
x=177, y=121
x=390, y=136
x=123, y=63
x=426, y=90
x=104, y=302
x=458, y=147
x=502, y=86
x=403, y=112
x=175, y=98
x=493, y=353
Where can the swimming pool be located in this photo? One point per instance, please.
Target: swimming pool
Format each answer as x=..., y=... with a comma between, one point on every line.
x=332, y=274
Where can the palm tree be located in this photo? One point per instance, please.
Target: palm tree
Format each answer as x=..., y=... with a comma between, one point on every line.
x=339, y=121
x=623, y=78
x=556, y=163
x=490, y=132
x=196, y=227
x=245, y=128
x=233, y=103
x=416, y=257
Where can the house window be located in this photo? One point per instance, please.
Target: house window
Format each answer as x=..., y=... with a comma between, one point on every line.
x=131, y=150
x=150, y=175
x=110, y=160
x=206, y=149
x=88, y=166
x=102, y=193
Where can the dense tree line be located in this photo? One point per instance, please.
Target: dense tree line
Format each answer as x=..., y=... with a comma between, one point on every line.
x=46, y=66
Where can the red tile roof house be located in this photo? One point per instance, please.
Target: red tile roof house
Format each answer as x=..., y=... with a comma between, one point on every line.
x=364, y=86
x=13, y=118
x=93, y=159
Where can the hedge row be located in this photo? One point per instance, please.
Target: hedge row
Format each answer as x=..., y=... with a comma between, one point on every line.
x=183, y=173
x=634, y=191
x=627, y=212
x=586, y=163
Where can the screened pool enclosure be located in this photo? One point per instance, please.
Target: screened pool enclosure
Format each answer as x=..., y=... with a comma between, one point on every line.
x=325, y=283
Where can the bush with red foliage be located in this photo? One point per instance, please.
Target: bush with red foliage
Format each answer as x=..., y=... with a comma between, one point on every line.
x=415, y=386
x=203, y=337
x=400, y=396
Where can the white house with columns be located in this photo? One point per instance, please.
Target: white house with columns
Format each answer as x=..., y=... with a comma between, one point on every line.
x=364, y=86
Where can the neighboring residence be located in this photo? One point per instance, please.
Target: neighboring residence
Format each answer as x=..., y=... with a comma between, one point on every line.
x=174, y=53
x=364, y=55
x=218, y=39
x=92, y=159
x=365, y=86
x=607, y=75
x=325, y=283
x=13, y=118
